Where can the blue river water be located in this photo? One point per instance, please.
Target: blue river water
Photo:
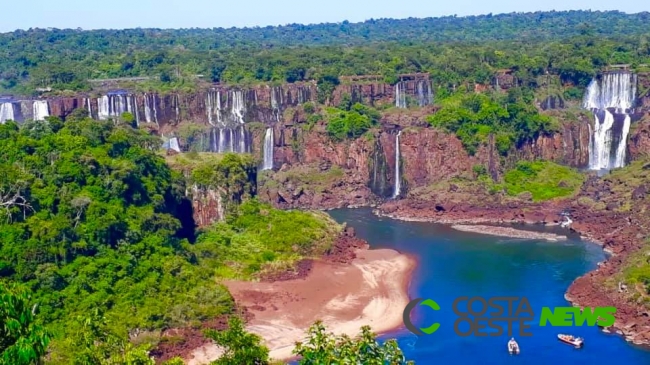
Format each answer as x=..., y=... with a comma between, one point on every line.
x=452, y=264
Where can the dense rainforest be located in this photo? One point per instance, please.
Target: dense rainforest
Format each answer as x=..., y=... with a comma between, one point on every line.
x=94, y=220
x=94, y=224
x=573, y=44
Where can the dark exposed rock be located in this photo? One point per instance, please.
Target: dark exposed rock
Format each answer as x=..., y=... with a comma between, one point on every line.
x=640, y=192
x=552, y=102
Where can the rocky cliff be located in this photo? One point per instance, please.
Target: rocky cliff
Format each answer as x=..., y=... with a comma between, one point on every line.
x=234, y=119
x=569, y=146
x=214, y=184
x=366, y=166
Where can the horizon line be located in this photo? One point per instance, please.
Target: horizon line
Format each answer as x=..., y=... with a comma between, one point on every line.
x=255, y=27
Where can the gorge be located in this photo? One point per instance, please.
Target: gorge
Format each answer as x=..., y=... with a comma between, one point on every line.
x=402, y=165
x=180, y=196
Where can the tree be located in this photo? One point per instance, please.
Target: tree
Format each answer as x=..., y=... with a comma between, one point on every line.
x=22, y=342
x=95, y=343
x=240, y=347
x=324, y=348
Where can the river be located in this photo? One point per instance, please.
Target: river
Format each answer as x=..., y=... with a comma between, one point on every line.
x=452, y=264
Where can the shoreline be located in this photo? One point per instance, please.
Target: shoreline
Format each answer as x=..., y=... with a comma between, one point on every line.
x=282, y=326
x=379, y=278
x=587, y=290
x=370, y=290
x=508, y=232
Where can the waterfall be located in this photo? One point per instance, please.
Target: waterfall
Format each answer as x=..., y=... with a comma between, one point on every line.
x=425, y=94
x=238, y=107
x=622, y=145
x=268, y=150
x=40, y=110
x=222, y=141
x=103, y=109
x=177, y=101
x=276, y=102
x=114, y=105
x=400, y=95
x=150, y=111
x=90, y=109
x=398, y=183
x=213, y=107
x=379, y=178
x=611, y=97
x=6, y=112
x=227, y=139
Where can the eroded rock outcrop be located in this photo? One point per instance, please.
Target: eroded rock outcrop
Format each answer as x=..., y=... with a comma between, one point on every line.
x=569, y=146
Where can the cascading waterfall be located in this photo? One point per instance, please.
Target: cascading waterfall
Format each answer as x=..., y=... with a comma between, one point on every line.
x=276, y=102
x=89, y=107
x=379, y=178
x=103, y=110
x=6, y=112
x=40, y=110
x=150, y=109
x=425, y=93
x=398, y=182
x=268, y=150
x=238, y=107
x=172, y=144
x=213, y=107
x=113, y=105
x=611, y=101
x=400, y=95
x=177, y=107
x=223, y=140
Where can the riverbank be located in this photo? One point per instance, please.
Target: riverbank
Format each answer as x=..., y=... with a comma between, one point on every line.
x=351, y=286
x=619, y=233
x=371, y=290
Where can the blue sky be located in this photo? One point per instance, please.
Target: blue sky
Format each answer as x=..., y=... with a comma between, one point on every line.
x=88, y=14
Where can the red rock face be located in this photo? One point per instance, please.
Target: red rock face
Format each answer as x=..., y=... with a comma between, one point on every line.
x=207, y=206
x=426, y=155
x=639, y=142
x=261, y=104
x=378, y=93
x=570, y=146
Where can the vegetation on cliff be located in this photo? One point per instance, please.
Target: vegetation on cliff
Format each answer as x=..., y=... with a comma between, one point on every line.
x=259, y=239
x=511, y=118
x=544, y=180
x=625, y=191
x=350, y=121
x=232, y=176
x=530, y=181
x=94, y=223
x=454, y=50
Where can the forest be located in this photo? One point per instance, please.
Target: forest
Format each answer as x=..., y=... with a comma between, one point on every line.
x=454, y=50
x=94, y=219
x=94, y=230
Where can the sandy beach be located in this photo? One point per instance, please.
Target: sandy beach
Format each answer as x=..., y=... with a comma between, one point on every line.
x=508, y=232
x=372, y=290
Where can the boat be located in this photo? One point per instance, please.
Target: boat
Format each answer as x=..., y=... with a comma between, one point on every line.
x=513, y=346
x=571, y=340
